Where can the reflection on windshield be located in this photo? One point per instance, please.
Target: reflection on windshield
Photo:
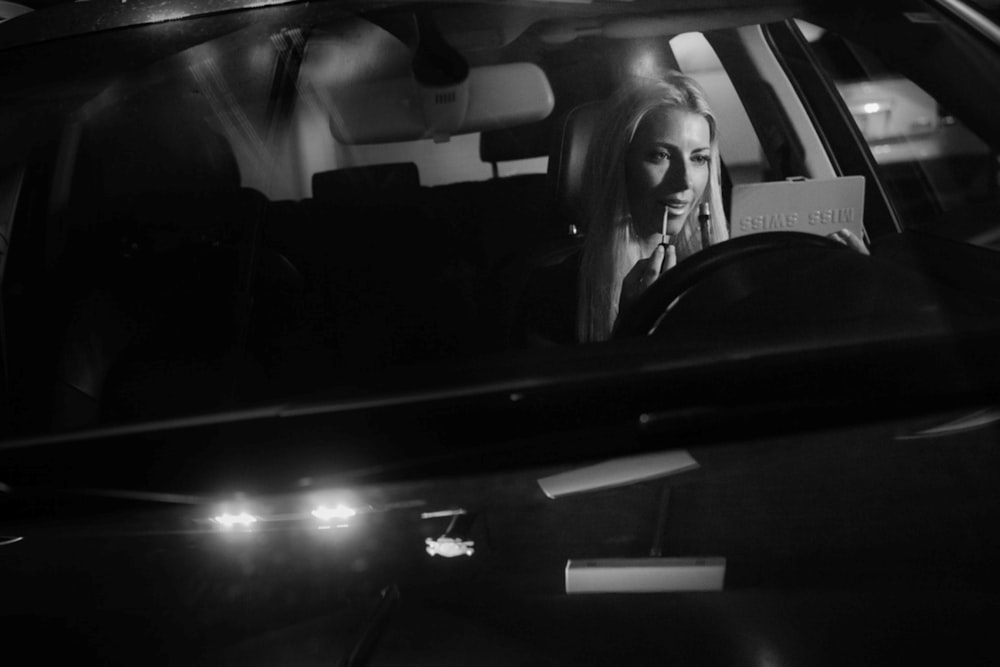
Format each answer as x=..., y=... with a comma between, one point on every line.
x=193, y=238
x=936, y=168
x=299, y=415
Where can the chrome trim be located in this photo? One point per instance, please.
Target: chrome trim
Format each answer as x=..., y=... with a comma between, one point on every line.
x=9, y=10
x=964, y=424
x=973, y=17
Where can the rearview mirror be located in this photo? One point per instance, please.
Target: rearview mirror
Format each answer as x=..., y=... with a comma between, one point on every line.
x=401, y=109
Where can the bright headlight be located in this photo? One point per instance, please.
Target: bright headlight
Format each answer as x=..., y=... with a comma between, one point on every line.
x=243, y=520
x=339, y=513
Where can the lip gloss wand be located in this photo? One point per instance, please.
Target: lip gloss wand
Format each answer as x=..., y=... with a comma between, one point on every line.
x=665, y=239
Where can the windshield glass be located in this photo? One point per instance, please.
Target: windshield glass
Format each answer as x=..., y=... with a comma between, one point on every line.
x=499, y=332
x=218, y=213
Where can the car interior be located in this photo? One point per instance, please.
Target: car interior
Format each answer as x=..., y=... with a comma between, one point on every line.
x=374, y=269
x=271, y=366
x=222, y=232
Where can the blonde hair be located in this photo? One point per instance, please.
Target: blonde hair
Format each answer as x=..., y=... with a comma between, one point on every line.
x=612, y=246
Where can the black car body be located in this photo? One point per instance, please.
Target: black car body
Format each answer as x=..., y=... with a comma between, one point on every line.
x=262, y=369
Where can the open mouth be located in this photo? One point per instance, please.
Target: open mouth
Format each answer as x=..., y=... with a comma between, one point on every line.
x=676, y=206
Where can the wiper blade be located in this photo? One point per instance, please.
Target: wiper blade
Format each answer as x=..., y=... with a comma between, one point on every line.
x=365, y=646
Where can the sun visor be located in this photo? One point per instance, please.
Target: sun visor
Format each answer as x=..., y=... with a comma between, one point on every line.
x=401, y=109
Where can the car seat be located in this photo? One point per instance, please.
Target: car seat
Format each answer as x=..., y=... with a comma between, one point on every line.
x=161, y=244
x=531, y=286
x=400, y=282
x=568, y=154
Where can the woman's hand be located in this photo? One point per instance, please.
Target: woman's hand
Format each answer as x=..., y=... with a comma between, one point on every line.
x=848, y=238
x=645, y=272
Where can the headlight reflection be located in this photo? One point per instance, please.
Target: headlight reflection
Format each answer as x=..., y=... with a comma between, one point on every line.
x=339, y=513
x=229, y=521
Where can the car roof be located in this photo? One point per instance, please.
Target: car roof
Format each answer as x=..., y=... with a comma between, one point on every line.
x=56, y=20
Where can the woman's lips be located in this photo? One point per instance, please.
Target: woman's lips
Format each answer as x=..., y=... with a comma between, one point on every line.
x=676, y=206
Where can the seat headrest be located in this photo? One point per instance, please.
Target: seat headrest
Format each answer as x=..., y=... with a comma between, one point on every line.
x=514, y=143
x=567, y=157
x=358, y=184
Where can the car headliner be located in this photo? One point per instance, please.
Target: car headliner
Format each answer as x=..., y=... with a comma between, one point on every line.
x=58, y=19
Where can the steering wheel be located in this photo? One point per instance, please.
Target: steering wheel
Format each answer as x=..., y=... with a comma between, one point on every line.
x=720, y=281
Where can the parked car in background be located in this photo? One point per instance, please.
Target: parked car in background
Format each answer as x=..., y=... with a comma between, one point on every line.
x=268, y=395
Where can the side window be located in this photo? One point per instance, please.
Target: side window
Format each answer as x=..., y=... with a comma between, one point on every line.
x=934, y=168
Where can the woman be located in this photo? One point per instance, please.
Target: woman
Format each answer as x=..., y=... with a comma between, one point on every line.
x=652, y=171
x=652, y=164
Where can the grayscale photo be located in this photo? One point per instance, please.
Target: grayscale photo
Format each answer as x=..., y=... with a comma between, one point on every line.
x=500, y=332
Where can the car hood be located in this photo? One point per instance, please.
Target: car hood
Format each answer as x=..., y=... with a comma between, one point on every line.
x=832, y=511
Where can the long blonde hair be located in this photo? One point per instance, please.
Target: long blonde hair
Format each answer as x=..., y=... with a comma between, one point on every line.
x=612, y=246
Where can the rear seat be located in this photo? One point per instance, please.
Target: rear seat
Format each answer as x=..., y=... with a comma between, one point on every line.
x=373, y=271
x=180, y=276
x=387, y=281
x=407, y=265
x=155, y=237
x=494, y=218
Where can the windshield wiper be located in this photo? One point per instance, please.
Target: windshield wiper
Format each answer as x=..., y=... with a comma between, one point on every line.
x=365, y=646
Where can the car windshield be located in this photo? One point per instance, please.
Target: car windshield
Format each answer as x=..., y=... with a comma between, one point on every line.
x=216, y=212
x=311, y=311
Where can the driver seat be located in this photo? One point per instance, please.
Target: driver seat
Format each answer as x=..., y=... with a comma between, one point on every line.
x=543, y=280
x=567, y=157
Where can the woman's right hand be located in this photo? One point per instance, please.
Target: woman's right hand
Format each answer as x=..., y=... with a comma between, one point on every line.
x=645, y=272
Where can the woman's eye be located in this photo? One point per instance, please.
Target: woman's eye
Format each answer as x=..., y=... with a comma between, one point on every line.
x=700, y=159
x=659, y=156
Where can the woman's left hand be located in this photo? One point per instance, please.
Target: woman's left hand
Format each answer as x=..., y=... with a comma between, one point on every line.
x=848, y=238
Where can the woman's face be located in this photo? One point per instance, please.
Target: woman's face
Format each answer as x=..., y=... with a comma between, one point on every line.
x=666, y=169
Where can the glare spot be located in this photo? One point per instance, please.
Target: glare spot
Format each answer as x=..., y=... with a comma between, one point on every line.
x=242, y=519
x=872, y=107
x=261, y=56
x=167, y=15
x=767, y=657
x=449, y=547
x=811, y=32
x=341, y=512
x=644, y=65
x=441, y=513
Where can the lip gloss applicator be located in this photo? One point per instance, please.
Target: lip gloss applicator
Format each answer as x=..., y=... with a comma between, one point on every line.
x=665, y=239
